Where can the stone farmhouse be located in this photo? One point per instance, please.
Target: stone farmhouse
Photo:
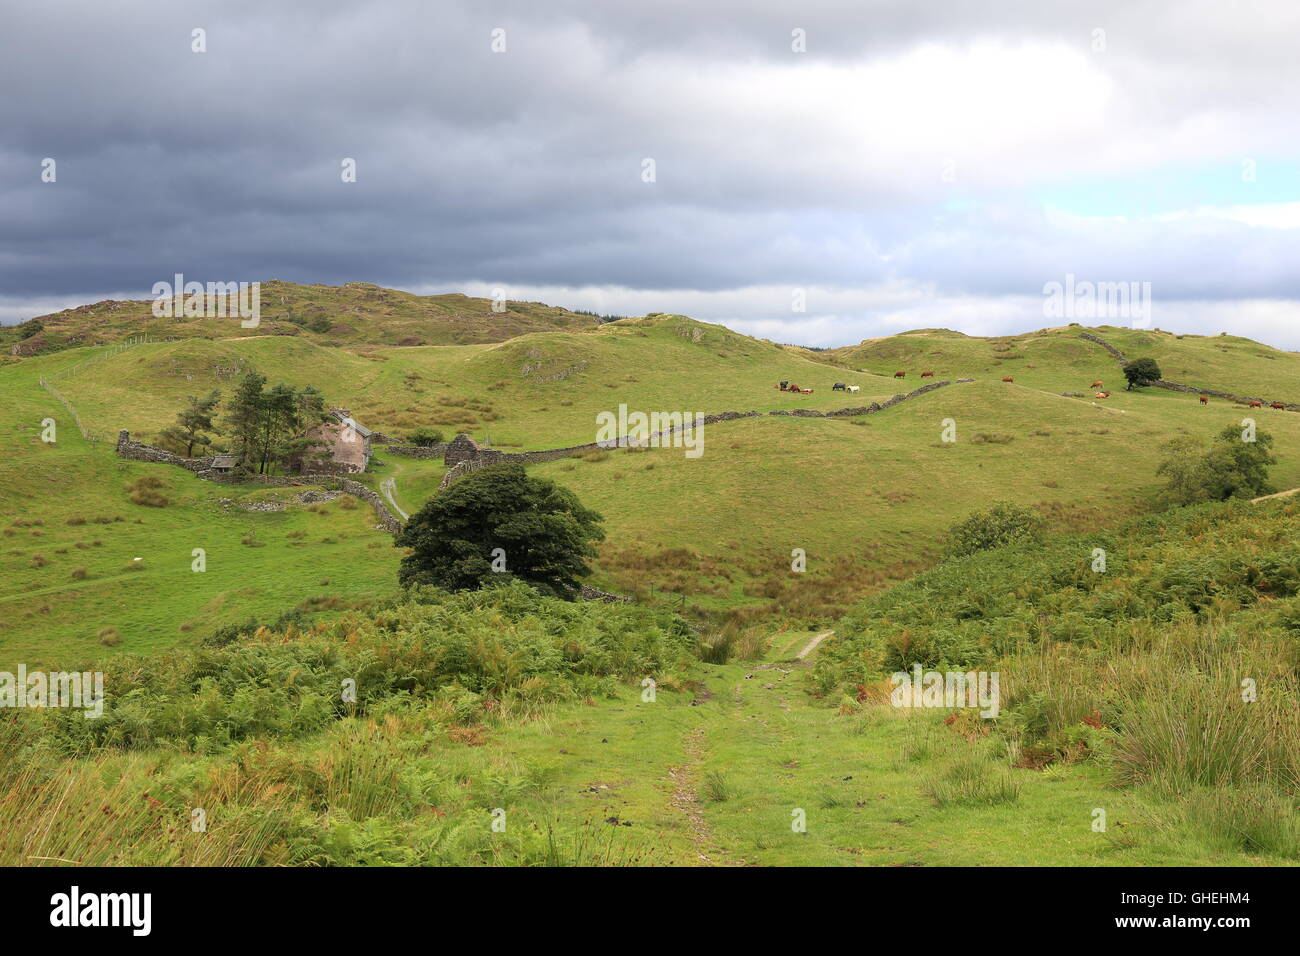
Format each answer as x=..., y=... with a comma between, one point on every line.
x=341, y=446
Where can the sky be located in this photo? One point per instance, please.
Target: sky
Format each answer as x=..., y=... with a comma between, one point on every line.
x=811, y=172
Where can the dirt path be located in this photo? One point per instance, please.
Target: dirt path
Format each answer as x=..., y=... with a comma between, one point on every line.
x=1280, y=494
x=812, y=645
x=1070, y=398
x=389, y=487
x=685, y=796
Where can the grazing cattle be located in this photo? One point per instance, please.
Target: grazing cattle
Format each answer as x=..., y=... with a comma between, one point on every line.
x=838, y=387
x=1102, y=395
x=1205, y=399
x=1256, y=404
x=927, y=375
x=805, y=391
x=1095, y=385
x=1277, y=405
x=783, y=386
x=852, y=388
x=900, y=374
x=1008, y=379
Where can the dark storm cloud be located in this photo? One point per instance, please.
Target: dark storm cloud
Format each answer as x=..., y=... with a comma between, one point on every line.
x=524, y=168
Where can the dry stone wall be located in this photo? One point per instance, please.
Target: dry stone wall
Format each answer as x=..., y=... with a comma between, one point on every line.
x=202, y=468
x=464, y=455
x=420, y=451
x=138, y=451
x=1119, y=356
x=1189, y=389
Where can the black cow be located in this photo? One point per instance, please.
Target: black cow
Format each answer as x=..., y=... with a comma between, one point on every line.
x=837, y=387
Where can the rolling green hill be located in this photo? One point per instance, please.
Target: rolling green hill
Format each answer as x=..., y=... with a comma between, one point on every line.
x=1058, y=360
x=356, y=313
x=225, y=679
x=868, y=498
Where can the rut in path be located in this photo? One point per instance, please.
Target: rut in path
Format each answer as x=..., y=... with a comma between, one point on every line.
x=812, y=645
x=685, y=798
x=389, y=487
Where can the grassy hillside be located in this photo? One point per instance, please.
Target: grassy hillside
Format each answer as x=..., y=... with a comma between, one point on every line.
x=867, y=499
x=224, y=681
x=535, y=391
x=356, y=313
x=505, y=706
x=1058, y=360
x=1173, y=667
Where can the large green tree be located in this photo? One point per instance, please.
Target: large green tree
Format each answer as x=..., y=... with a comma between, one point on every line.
x=1140, y=372
x=194, y=423
x=498, y=523
x=1231, y=467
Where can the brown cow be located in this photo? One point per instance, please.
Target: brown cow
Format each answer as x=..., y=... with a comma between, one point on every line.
x=1095, y=385
x=1205, y=399
x=1102, y=395
x=1277, y=405
x=1256, y=404
x=927, y=375
x=899, y=374
x=1008, y=379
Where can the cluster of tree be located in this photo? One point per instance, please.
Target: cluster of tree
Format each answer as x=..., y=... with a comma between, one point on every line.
x=266, y=427
x=597, y=315
x=496, y=524
x=1234, y=465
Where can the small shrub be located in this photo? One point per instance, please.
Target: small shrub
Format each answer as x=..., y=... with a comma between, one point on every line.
x=147, y=490
x=80, y=574
x=109, y=636
x=1003, y=524
x=714, y=788
x=971, y=782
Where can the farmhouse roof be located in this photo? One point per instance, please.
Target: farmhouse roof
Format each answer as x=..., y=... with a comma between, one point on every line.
x=348, y=420
x=225, y=461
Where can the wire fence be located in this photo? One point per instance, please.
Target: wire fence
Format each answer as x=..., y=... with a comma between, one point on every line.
x=47, y=382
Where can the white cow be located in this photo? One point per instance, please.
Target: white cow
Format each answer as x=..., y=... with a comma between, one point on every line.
x=853, y=388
